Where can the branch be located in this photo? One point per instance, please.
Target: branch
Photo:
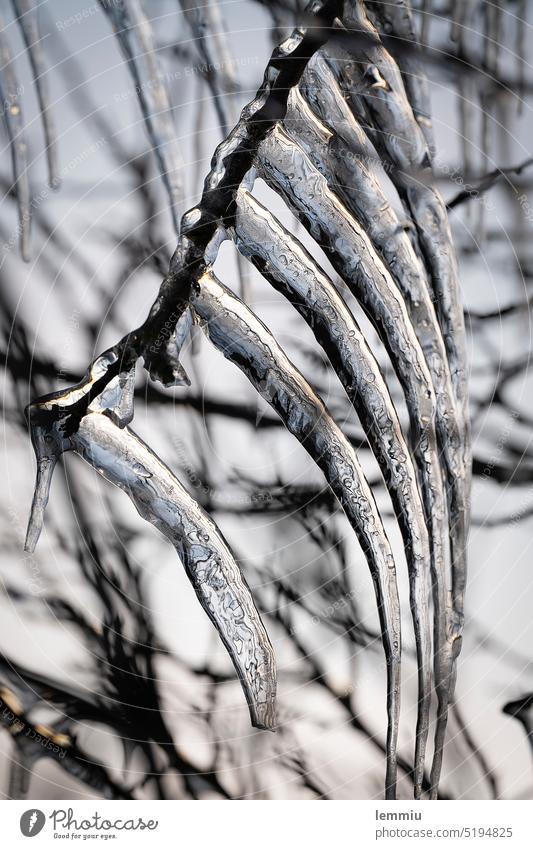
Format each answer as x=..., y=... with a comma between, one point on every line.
x=487, y=182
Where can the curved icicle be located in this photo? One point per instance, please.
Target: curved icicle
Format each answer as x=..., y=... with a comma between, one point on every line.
x=342, y=152
x=27, y=18
x=244, y=339
x=375, y=91
x=344, y=158
x=292, y=270
x=134, y=34
x=374, y=86
x=10, y=92
x=126, y=461
x=284, y=165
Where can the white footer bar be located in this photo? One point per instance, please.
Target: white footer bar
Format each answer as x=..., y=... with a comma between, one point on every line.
x=268, y=825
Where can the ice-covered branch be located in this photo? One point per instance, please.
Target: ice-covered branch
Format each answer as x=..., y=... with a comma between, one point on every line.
x=316, y=152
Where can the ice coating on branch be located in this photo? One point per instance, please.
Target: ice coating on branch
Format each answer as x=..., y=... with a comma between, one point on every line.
x=244, y=339
x=53, y=418
x=342, y=206
x=162, y=358
x=117, y=398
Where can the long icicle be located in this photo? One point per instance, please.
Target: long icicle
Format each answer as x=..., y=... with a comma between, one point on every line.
x=292, y=270
x=27, y=18
x=375, y=92
x=286, y=167
x=196, y=17
x=10, y=91
x=242, y=338
x=349, y=174
x=397, y=20
x=134, y=33
x=123, y=459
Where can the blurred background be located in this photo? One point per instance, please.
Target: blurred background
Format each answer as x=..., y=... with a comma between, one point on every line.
x=104, y=648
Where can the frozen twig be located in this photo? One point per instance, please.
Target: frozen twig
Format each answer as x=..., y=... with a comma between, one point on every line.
x=303, y=153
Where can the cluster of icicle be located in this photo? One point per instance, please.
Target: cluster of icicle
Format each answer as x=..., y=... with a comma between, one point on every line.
x=334, y=102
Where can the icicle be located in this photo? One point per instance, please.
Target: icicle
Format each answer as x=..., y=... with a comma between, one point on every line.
x=456, y=21
x=244, y=340
x=134, y=34
x=166, y=366
x=46, y=462
x=466, y=125
x=27, y=18
x=426, y=13
x=350, y=170
x=10, y=91
x=124, y=460
x=196, y=18
x=218, y=28
x=520, y=51
x=285, y=166
x=400, y=141
x=288, y=266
